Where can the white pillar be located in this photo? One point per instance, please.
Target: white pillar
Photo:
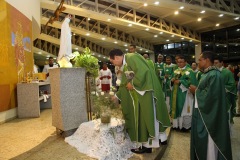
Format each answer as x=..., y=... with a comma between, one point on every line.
x=198, y=51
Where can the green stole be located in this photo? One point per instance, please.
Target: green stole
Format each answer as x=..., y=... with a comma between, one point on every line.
x=178, y=98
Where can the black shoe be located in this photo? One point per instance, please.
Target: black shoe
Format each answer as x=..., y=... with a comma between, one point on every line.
x=141, y=150
x=237, y=115
x=163, y=143
x=185, y=130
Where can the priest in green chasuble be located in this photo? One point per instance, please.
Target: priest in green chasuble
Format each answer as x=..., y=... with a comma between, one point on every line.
x=142, y=100
x=182, y=98
x=168, y=69
x=210, y=135
x=230, y=87
x=159, y=68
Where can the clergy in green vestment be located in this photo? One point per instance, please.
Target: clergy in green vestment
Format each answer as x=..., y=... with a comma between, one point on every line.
x=210, y=136
x=167, y=72
x=159, y=68
x=230, y=87
x=149, y=61
x=197, y=72
x=182, y=99
x=142, y=100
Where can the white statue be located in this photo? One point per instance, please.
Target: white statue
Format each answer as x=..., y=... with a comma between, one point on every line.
x=65, y=51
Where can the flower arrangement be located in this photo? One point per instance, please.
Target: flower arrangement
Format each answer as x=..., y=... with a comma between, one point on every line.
x=86, y=60
x=177, y=74
x=104, y=107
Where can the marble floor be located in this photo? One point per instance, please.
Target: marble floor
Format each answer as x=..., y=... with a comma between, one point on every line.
x=36, y=139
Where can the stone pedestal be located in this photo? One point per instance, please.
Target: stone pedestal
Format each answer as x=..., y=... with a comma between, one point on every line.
x=69, y=107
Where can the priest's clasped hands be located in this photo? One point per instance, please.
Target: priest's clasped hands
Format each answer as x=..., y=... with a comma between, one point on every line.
x=192, y=89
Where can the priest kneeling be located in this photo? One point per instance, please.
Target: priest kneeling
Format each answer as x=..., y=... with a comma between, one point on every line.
x=142, y=100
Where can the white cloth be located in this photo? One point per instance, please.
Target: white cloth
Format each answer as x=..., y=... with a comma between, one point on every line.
x=65, y=40
x=105, y=73
x=102, y=141
x=186, y=116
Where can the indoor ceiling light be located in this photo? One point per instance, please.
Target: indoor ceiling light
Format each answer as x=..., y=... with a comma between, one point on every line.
x=199, y=19
x=181, y=7
x=108, y=19
x=115, y=42
x=176, y=12
x=130, y=25
x=88, y=34
x=103, y=38
x=202, y=11
x=182, y=38
x=125, y=45
x=156, y=3
x=147, y=29
x=236, y=18
x=167, y=40
x=160, y=32
x=89, y=19
x=172, y=35
x=220, y=15
x=217, y=24
x=155, y=36
x=145, y=4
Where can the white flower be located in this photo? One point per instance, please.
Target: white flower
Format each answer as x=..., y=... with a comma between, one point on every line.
x=111, y=93
x=118, y=82
x=177, y=72
x=187, y=73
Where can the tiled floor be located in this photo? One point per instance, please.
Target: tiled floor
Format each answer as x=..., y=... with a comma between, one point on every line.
x=36, y=139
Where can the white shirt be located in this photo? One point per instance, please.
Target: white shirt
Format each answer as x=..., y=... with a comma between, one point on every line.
x=46, y=69
x=105, y=73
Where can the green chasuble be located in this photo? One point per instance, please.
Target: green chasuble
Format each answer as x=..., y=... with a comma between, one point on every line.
x=138, y=109
x=167, y=70
x=150, y=63
x=186, y=77
x=210, y=118
x=159, y=69
x=231, y=92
